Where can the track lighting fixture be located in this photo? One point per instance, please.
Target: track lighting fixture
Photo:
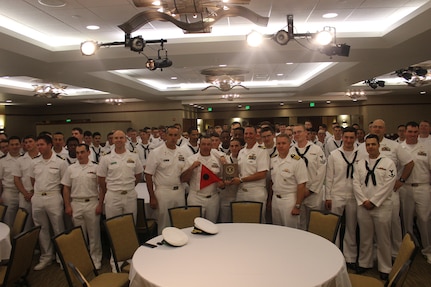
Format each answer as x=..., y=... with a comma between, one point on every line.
x=323, y=41
x=374, y=83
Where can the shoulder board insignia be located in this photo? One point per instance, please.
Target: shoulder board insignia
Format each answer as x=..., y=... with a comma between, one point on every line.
x=295, y=156
x=274, y=155
x=37, y=156
x=262, y=147
x=3, y=156
x=95, y=162
x=109, y=152
x=59, y=156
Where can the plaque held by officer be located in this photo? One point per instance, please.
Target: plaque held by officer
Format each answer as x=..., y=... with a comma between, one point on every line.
x=230, y=170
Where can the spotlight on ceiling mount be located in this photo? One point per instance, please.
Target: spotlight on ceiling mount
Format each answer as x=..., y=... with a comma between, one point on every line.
x=414, y=76
x=374, y=83
x=136, y=44
x=325, y=40
x=159, y=63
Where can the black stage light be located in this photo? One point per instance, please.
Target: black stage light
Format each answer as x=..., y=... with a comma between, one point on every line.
x=137, y=44
x=421, y=72
x=281, y=37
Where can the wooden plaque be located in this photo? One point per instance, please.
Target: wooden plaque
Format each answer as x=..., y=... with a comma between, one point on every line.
x=230, y=170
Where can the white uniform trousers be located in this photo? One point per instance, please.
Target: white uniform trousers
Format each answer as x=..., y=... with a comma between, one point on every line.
x=313, y=201
x=397, y=233
x=417, y=200
x=375, y=222
x=121, y=202
x=168, y=197
x=10, y=198
x=282, y=205
x=27, y=206
x=349, y=206
x=227, y=195
x=84, y=215
x=257, y=193
x=210, y=204
x=47, y=210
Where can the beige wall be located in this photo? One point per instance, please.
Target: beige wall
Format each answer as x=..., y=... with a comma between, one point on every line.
x=394, y=110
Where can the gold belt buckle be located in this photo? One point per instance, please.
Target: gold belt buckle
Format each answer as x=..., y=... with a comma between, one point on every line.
x=124, y=192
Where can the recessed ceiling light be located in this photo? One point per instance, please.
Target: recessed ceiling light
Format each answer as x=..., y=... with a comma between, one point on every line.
x=49, y=104
x=329, y=15
x=289, y=63
x=280, y=74
x=423, y=92
x=281, y=104
x=8, y=101
x=222, y=65
x=299, y=101
x=239, y=106
x=328, y=102
x=52, y=3
x=92, y=27
x=174, y=78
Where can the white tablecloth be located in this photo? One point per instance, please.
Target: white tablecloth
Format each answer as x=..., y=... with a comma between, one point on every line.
x=242, y=255
x=5, y=245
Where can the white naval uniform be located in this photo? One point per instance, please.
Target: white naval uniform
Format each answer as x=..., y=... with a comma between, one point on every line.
x=10, y=194
x=376, y=221
x=131, y=146
x=156, y=142
x=182, y=141
x=207, y=197
x=165, y=166
x=286, y=174
x=227, y=195
x=316, y=169
x=84, y=194
x=331, y=145
x=95, y=153
x=119, y=171
x=47, y=201
x=63, y=154
x=188, y=150
x=251, y=161
x=400, y=157
x=415, y=195
x=143, y=152
x=22, y=170
x=339, y=189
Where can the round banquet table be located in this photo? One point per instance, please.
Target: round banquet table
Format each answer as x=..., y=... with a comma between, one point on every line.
x=5, y=245
x=242, y=255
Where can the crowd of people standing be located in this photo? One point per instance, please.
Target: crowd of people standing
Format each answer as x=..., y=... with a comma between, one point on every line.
x=378, y=184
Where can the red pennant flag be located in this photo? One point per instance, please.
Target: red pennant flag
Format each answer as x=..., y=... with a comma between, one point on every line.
x=207, y=177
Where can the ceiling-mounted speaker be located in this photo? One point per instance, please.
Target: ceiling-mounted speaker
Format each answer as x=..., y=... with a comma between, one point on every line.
x=281, y=37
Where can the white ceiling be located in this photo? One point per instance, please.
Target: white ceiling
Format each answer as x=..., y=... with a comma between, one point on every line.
x=41, y=44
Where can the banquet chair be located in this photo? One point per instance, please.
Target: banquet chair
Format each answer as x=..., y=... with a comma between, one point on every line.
x=325, y=224
x=3, y=209
x=19, y=264
x=406, y=254
x=184, y=216
x=122, y=239
x=19, y=222
x=71, y=247
x=246, y=211
x=146, y=228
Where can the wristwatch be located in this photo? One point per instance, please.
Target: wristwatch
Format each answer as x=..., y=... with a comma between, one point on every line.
x=298, y=206
x=402, y=180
